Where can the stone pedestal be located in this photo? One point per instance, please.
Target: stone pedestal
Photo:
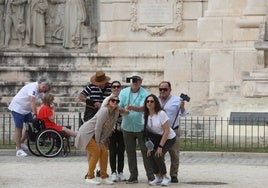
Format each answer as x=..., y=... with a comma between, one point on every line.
x=211, y=69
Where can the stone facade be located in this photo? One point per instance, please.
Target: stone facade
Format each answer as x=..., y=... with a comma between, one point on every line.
x=208, y=49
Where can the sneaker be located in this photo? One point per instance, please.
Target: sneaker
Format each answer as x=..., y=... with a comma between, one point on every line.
x=156, y=181
x=114, y=177
x=132, y=181
x=165, y=181
x=174, y=179
x=21, y=153
x=24, y=147
x=107, y=182
x=121, y=177
x=92, y=181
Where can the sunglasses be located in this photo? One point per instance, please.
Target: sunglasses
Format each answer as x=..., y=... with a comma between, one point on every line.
x=150, y=101
x=115, y=100
x=117, y=86
x=163, y=89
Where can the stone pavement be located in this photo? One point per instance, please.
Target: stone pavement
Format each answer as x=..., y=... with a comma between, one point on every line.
x=197, y=169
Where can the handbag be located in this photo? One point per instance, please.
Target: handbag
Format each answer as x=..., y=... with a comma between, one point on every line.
x=155, y=138
x=149, y=145
x=151, y=137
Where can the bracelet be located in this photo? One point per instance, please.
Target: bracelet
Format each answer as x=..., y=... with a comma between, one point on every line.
x=160, y=146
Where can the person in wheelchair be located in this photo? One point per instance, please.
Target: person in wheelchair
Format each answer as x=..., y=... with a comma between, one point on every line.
x=47, y=114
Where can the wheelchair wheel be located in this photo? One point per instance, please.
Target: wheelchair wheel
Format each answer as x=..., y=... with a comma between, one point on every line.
x=32, y=131
x=32, y=147
x=49, y=143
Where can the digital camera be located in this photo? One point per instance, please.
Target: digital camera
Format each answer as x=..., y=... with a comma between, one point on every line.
x=185, y=97
x=132, y=79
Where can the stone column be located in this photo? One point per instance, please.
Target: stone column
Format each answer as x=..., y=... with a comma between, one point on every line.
x=253, y=16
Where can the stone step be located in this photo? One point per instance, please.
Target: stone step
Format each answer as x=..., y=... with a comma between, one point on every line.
x=69, y=73
x=257, y=75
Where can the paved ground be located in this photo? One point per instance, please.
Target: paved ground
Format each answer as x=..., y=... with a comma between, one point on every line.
x=197, y=169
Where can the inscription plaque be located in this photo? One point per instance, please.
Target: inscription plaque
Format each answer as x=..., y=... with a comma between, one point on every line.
x=156, y=16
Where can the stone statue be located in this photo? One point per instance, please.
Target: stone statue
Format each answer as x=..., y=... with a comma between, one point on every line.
x=92, y=23
x=72, y=23
x=55, y=17
x=36, y=22
x=14, y=17
x=74, y=18
x=2, y=31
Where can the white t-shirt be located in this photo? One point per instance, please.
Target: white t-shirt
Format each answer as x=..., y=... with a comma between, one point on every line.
x=156, y=122
x=21, y=102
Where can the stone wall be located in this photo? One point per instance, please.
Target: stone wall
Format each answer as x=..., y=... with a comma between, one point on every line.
x=206, y=48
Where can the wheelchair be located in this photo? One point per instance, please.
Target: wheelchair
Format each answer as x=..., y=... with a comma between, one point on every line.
x=46, y=142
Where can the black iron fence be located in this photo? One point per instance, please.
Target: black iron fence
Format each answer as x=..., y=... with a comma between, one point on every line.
x=197, y=133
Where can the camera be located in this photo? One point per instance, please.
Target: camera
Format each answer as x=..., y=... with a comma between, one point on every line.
x=185, y=97
x=133, y=79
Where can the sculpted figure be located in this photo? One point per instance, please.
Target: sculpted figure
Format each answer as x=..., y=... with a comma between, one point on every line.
x=92, y=23
x=55, y=17
x=36, y=22
x=74, y=18
x=14, y=17
x=2, y=32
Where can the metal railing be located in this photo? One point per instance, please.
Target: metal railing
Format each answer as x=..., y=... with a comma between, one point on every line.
x=197, y=133
x=216, y=133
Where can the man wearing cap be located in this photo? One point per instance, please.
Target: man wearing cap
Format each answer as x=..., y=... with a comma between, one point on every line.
x=22, y=106
x=94, y=94
x=133, y=127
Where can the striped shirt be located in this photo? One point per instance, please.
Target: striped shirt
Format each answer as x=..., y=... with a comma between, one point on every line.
x=94, y=94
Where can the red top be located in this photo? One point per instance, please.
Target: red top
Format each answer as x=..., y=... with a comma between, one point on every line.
x=44, y=113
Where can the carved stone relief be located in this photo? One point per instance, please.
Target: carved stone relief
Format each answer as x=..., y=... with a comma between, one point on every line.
x=66, y=24
x=2, y=31
x=156, y=16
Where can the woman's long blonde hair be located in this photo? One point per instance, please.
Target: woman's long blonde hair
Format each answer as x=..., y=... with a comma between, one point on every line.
x=48, y=99
x=108, y=103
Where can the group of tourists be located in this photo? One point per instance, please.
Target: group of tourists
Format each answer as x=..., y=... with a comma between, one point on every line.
x=115, y=120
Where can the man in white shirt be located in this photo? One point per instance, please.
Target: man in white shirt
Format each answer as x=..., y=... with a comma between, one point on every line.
x=22, y=106
x=173, y=106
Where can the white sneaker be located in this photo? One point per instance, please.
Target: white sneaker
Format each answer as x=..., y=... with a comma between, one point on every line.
x=165, y=181
x=92, y=181
x=114, y=177
x=156, y=181
x=107, y=182
x=24, y=147
x=121, y=177
x=21, y=153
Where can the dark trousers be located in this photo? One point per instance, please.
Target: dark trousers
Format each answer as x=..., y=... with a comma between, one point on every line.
x=116, y=151
x=158, y=163
x=130, y=139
